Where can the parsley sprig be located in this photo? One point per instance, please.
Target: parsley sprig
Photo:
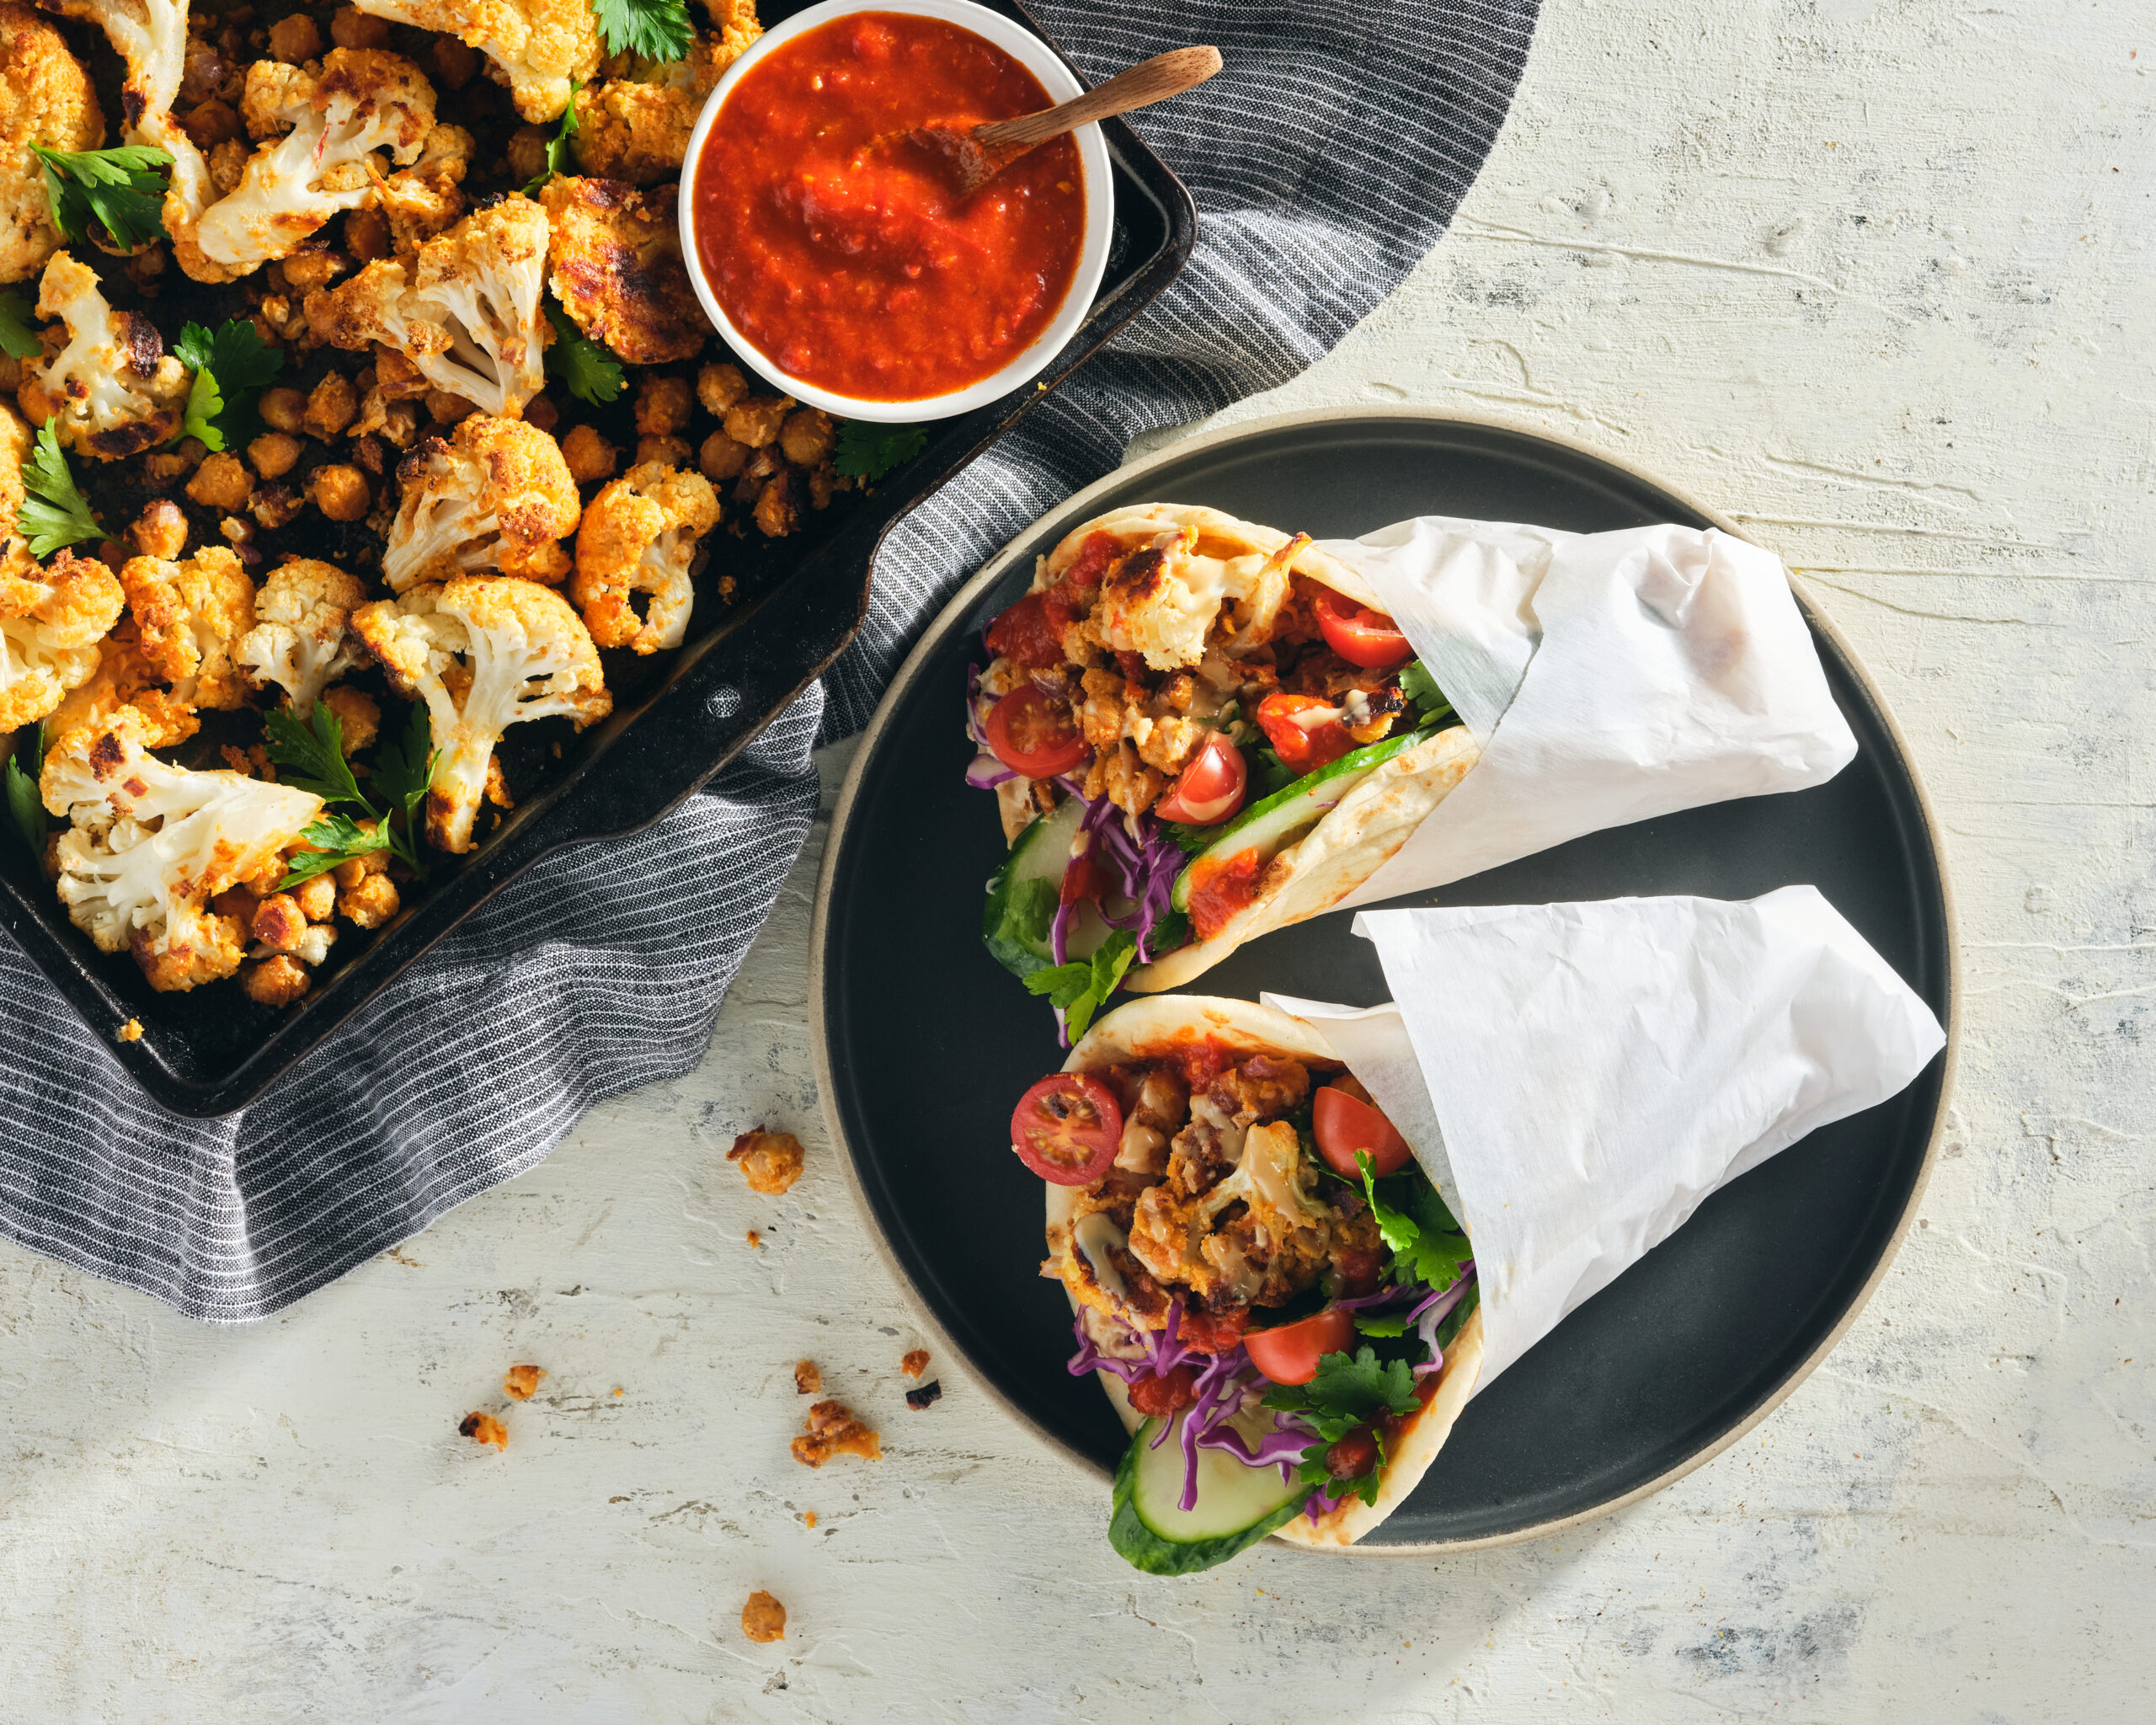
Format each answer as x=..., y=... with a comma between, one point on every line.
x=1081, y=988
x=867, y=452
x=1423, y=693
x=231, y=367
x=18, y=328
x=26, y=807
x=558, y=147
x=1427, y=1240
x=584, y=367
x=1348, y=1393
x=120, y=190
x=657, y=29
x=53, y=512
x=312, y=754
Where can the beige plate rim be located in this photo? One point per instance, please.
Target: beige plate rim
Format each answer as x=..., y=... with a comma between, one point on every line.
x=1075, y=509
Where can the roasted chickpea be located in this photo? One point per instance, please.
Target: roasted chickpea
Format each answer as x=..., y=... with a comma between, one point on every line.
x=722, y=458
x=283, y=409
x=718, y=387
x=316, y=898
x=340, y=492
x=276, y=504
x=662, y=406
x=221, y=482
x=351, y=28
x=542, y=414
x=161, y=530
x=305, y=272
x=807, y=436
x=672, y=451
x=279, y=923
x=361, y=715
x=211, y=123
x=589, y=456
x=454, y=63
x=369, y=902
x=294, y=39
x=776, y=515
x=274, y=982
x=274, y=453
x=333, y=406
x=446, y=409
x=755, y=420
x=527, y=152
x=227, y=163
x=366, y=231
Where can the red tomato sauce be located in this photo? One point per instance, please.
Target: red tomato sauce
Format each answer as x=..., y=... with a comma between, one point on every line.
x=1217, y=889
x=858, y=269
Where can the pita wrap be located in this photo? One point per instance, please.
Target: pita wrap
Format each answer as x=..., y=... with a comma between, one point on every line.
x=1162, y=1028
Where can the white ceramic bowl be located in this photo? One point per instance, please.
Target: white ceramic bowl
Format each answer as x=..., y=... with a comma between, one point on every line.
x=1030, y=51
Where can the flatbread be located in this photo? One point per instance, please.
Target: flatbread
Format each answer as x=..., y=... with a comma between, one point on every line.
x=1219, y=535
x=1346, y=847
x=1149, y=1029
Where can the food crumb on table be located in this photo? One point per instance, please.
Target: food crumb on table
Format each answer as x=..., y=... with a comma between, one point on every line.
x=771, y=1162
x=808, y=1377
x=833, y=1430
x=131, y=1031
x=915, y=1363
x=763, y=1618
x=484, y=1429
x=928, y=1392
x=521, y=1382
x=809, y=1518
x=754, y=1238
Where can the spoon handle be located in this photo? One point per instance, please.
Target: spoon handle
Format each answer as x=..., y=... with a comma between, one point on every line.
x=1149, y=81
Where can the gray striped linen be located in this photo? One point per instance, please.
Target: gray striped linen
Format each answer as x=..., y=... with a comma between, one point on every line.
x=1326, y=162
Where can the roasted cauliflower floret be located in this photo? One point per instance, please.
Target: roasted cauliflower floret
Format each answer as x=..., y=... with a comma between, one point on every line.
x=465, y=309
x=483, y=654
x=497, y=496
x=109, y=386
x=46, y=98
x=538, y=47
x=191, y=616
x=149, y=845
x=616, y=266
x=361, y=101
x=638, y=537
x=50, y=623
x=424, y=199
x=636, y=127
x=151, y=36
x=302, y=639
x=125, y=678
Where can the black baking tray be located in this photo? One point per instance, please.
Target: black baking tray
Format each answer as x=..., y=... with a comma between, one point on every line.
x=205, y=1055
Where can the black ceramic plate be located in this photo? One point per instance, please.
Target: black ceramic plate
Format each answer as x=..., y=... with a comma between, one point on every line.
x=925, y=1042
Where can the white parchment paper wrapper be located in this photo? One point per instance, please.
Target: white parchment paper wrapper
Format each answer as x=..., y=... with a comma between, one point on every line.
x=1608, y=678
x=1576, y=1078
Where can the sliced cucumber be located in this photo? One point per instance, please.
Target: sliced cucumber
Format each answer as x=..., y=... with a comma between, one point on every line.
x=1268, y=827
x=1021, y=896
x=1237, y=1506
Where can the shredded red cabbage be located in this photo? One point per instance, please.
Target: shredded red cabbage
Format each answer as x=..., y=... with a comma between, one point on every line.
x=1143, y=863
x=985, y=771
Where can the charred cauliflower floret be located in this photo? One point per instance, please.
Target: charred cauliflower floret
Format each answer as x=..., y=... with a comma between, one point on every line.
x=149, y=845
x=302, y=639
x=361, y=101
x=46, y=98
x=125, y=678
x=50, y=622
x=465, y=309
x=483, y=654
x=616, y=266
x=1258, y=1236
x=497, y=496
x=638, y=537
x=422, y=200
x=151, y=36
x=636, y=126
x=108, y=385
x=538, y=47
x=190, y=616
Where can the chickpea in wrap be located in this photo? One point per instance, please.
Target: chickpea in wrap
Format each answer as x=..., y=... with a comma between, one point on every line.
x=1277, y=1302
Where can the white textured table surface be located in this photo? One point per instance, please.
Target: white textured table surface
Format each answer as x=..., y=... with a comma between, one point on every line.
x=1874, y=279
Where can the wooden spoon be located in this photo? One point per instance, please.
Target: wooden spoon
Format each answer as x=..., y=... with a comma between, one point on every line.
x=981, y=153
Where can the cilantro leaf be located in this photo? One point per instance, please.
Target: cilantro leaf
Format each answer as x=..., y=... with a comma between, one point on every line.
x=230, y=368
x=121, y=190
x=867, y=452
x=1423, y=693
x=657, y=29
x=1081, y=988
x=312, y=754
x=1348, y=1391
x=1427, y=1245
x=583, y=366
x=26, y=807
x=53, y=513
x=558, y=147
x=17, y=328
x=1397, y=1325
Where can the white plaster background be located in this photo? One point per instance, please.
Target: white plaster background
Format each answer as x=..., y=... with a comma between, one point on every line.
x=1874, y=279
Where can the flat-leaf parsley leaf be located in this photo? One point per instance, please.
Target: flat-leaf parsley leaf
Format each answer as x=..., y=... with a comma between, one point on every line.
x=18, y=329
x=120, y=190
x=867, y=452
x=657, y=29
x=590, y=372
x=558, y=147
x=230, y=368
x=53, y=513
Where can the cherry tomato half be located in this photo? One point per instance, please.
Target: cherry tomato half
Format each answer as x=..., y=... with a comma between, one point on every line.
x=1364, y=638
x=1162, y=1395
x=1353, y=1455
x=1210, y=788
x=1066, y=1129
x=1302, y=744
x=1343, y=1125
x=1289, y=1354
x=1034, y=733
